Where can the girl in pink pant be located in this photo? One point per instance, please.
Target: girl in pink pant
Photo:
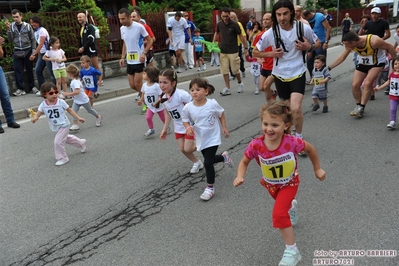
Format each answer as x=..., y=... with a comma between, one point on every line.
x=54, y=109
x=150, y=92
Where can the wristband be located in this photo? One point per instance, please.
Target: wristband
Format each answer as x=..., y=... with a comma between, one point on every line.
x=329, y=68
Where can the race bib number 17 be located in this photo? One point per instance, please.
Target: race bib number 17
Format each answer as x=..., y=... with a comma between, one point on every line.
x=279, y=169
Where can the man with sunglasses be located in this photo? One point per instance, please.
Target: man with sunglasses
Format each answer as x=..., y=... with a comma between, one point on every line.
x=289, y=67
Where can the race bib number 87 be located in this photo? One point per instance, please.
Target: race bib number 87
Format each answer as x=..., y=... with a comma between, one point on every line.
x=279, y=169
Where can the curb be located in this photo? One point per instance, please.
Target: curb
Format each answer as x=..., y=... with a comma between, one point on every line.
x=24, y=113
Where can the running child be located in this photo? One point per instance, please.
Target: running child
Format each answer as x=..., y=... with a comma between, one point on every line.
x=89, y=74
x=174, y=100
x=203, y=118
x=54, y=109
x=79, y=97
x=393, y=83
x=255, y=71
x=57, y=57
x=150, y=92
x=320, y=78
x=199, y=49
x=275, y=152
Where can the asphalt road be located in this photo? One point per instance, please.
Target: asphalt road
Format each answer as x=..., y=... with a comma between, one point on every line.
x=131, y=201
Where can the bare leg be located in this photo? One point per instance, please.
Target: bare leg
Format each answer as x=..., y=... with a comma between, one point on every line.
x=296, y=108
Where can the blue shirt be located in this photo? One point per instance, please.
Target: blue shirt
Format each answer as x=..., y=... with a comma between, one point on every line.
x=197, y=44
x=316, y=23
x=192, y=28
x=89, y=78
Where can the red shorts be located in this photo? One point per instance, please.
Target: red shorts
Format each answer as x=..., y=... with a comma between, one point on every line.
x=185, y=136
x=89, y=93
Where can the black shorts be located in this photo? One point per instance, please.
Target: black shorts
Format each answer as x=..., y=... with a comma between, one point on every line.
x=91, y=54
x=265, y=72
x=198, y=55
x=172, y=53
x=150, y=56
x=285, y=89
x=365, y=68
x=136, y=68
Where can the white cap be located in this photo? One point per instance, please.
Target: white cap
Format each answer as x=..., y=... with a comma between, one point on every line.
x=376, y=10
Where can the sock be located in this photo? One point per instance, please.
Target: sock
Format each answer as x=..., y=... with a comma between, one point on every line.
x=291, y=246
x=362, y=105
x=299, y=135
x=210, y=187
x=357, y=103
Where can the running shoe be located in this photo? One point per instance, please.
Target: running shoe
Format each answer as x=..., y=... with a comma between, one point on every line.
x=227, y=159
x=196, y=167
x=225, y=92
x=291, y=257
x=208, y=193
x=149, y=132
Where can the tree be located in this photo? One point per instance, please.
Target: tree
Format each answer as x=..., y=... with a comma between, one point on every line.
x=343, y=4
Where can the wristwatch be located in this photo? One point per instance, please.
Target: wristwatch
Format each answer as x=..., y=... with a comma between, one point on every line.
x=326, y=42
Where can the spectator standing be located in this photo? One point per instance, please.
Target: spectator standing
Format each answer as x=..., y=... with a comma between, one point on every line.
x=5, y=97
x=298, y=15
x=240, y=40
x=87, y=40
x=42, y=38
x=188, y=46
x=288, y=67
x=228, y=31
x=133, y=51
x=322, y=29
x=327, y=16
x=176, y=26
x=22, y=36
x=346, y=25
x=136, y=16
x=376, y=26
x=249, y=27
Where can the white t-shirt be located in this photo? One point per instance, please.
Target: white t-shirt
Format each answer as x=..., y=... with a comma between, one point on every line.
x=291, y=63
x=205, y=121
x=131, y=37
x=396, y=37
x=151, y=95
x=57, y=54
x=55, y=114
x=177, y=27
x=174, y=105
x=41, y=32
x=81, y=98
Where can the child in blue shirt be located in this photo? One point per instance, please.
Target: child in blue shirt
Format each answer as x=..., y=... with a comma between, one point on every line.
x=89, y=74
x=199, y=49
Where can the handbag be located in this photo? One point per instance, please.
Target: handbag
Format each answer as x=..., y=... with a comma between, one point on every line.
x=20, y=54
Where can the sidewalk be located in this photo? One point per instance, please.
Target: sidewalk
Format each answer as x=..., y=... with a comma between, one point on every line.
x=114, y=87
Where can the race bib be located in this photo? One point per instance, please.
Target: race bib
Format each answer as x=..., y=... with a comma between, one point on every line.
x=89, y=82
x=316, y=82
x=255, y=69
x=393, y=87
x=132, y=56
x=278, y=170
x=366, y=60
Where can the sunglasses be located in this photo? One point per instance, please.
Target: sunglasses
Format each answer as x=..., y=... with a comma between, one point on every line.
x=52, y=92
x=225, y=16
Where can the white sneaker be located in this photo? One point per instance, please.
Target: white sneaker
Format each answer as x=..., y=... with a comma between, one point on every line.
x=225, y=92
x=61, y=96
x=138, y=98
x=191, y=67
x=19, y=92
x=38, y=93
x=149, y=132
x=196, y=167
x=179, y=70
x=203, y=66
x=99, y=120
x=227, y=159
x=199, y=69
x=83, y=146
x=257, y=91
x=74, y=128
x=241, y=87
x=208, y=193
x=391, y=125
x=62, y=161
x=243, y=74
x=290, y=257
x=34, y=90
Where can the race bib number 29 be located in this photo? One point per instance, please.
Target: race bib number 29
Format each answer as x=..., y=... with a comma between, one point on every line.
x=279, y=169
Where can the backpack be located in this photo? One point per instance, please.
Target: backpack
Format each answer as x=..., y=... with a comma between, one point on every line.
x=96, y=29
x=278, y=42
